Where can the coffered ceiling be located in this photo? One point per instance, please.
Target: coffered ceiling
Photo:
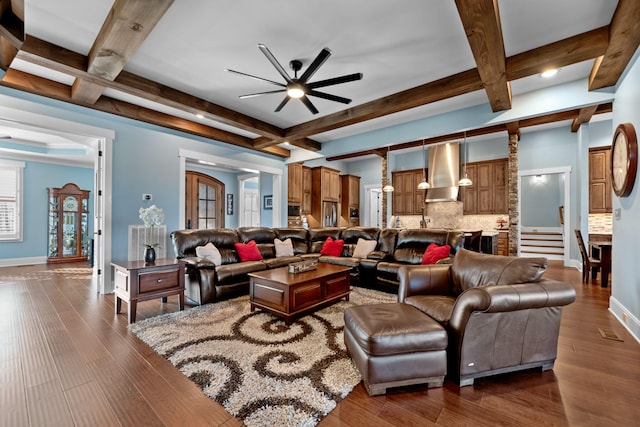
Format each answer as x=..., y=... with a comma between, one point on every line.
x=164, y=61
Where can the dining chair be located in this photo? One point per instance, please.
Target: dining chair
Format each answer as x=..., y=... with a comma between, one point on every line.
x=473, y=240
x=589, y=263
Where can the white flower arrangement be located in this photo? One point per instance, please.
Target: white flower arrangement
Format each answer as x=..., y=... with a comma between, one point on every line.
x=151, y=216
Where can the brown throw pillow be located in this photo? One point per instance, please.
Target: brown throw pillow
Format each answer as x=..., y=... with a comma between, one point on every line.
x=471, y=269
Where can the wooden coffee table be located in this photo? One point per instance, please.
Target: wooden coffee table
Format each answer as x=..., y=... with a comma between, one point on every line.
x=288, y=295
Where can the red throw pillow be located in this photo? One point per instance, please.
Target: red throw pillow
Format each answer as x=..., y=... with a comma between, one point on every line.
x=248, y=251
x=332, y=247
x=435, y=253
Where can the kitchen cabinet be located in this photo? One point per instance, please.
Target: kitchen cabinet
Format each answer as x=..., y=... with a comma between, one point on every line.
x=306, y=190
x=407, y=199
x=489, y=192
x=600, y=180
x=503, y=243
x=68, y=234
x=294, y=183
x=325, y=188
x=350, y=200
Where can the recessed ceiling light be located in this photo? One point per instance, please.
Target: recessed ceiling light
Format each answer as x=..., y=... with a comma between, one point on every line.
x=549, y=73
x=200, y=115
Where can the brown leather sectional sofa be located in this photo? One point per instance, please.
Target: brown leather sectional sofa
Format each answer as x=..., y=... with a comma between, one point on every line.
x=500, y=314
x=206, y=282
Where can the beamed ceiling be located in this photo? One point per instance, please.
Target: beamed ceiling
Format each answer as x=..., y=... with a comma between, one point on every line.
x=164, y=61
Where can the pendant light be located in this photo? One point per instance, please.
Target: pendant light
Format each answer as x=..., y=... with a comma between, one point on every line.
x=424, y=184
x=465, y=181
x=388, y=188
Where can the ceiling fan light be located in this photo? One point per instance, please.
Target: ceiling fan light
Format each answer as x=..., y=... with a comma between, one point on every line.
x=295, y=91
x=388, y=188
x=424, y=185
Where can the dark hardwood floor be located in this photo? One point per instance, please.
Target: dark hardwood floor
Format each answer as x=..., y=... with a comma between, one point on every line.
x=66, y=359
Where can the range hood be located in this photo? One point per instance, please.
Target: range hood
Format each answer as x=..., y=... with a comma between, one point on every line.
x=444, y=172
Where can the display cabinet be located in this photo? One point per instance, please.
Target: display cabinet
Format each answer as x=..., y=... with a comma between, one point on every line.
x=68, y=234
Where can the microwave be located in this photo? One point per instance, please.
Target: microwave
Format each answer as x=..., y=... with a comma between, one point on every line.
x=293, y=210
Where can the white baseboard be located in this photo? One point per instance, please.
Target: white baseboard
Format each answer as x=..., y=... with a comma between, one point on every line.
x=624, y=316
x=15, y=262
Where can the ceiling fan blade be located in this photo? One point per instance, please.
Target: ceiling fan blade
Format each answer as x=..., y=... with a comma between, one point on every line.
x=251, y=95
x=335, y=80
x=309, y=105
x=311, y=69
x=329, y=96
x=282, y=104
x=256, y=77
x=275, y=62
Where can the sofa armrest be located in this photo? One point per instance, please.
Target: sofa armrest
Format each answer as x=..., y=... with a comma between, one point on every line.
x=503, y=298
x=432, y=279
x=197, y=262
x=377, y=255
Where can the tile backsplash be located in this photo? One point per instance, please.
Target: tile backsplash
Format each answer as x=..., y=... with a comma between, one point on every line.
x=449, y=215
x=600, y=223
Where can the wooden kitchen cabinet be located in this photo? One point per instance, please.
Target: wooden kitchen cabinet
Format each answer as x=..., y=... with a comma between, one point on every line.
x=600, y=180
x=469, y=195
x=350, y=200
x=330, y=183
x=325, y=188
x=503, y=243
x=294, y=183
x=407, y=199
x=489, y=192
x=306, y=190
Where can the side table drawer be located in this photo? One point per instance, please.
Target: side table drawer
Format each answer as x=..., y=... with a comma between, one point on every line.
x=158, y=280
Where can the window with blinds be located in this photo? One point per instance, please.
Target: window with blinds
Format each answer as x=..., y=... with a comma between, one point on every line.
x=11, y=200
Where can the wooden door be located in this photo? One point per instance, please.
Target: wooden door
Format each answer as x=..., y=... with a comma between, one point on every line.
x=204, y=201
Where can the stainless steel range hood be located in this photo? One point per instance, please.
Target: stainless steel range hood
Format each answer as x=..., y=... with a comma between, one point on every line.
x=444, y=172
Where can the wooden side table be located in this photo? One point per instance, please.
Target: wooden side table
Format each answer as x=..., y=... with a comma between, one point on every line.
x=137, y=281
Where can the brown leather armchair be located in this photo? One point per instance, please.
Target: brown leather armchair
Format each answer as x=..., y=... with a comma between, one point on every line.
x=499, y=313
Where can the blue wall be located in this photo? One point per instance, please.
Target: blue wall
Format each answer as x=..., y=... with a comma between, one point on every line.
x=37, y=178
x=625, y=299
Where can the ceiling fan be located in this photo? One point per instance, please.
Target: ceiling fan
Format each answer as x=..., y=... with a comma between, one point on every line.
x=300, y=87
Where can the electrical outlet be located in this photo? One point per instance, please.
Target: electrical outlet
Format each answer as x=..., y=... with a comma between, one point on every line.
x=146, y=197
x=618, y=214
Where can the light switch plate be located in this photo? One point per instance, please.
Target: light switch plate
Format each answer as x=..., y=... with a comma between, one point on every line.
x=618, y=214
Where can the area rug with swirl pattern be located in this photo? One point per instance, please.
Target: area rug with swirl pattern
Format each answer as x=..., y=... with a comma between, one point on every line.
x=259, y=369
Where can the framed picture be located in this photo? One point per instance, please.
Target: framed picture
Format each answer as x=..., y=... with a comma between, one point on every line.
x=268, y=202
x=230, y=204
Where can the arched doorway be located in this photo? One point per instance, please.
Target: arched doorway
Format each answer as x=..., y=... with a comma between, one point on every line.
x=204, y=197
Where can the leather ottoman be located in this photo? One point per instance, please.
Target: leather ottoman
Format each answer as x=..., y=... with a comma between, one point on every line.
x=395, y=345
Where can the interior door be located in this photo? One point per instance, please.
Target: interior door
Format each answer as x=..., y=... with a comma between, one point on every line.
x=204, y=201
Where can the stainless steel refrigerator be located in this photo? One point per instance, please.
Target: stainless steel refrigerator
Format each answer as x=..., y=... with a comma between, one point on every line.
x=330, y=214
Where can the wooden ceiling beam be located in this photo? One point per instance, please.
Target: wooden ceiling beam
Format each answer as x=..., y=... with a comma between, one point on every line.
x=481, y=22
x=128, y=24
x=305, y=143
x=11, y=33
x=65, y=61
x=564, y=52
x=448, y=87
x=584, y=116
x=44, y=87
x=624, y=39
x=582, y=47
x=513, y=127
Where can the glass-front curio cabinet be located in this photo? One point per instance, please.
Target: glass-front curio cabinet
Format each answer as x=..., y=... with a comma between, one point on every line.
x=68, y=224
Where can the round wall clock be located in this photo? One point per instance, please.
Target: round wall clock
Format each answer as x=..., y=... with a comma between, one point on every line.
x=624, y=159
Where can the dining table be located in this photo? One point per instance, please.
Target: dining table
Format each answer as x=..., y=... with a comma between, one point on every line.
x=604, y=249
